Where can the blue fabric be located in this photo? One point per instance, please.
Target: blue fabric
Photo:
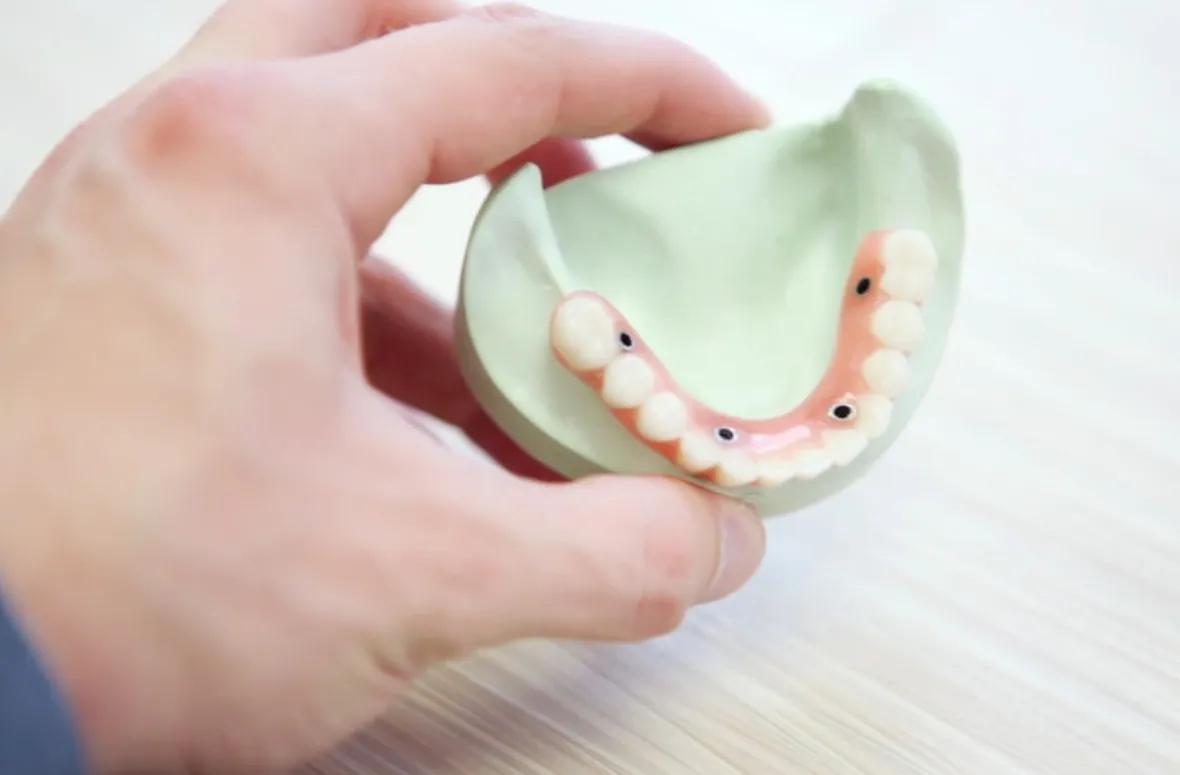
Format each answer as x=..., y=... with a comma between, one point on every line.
x=37, y=735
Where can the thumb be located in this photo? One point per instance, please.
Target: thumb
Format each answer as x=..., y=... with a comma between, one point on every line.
x=607, y=558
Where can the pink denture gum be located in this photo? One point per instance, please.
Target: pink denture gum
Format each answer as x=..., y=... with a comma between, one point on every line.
x=880, y=325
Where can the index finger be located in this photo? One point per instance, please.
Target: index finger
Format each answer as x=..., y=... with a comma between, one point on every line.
x=447, y=101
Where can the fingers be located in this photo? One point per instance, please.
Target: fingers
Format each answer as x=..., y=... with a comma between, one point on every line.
x=558, y=159
x=279, y=29
x=272, y=29
x=408, y=347
x=282, y=29
x=415, y=421
x=401, y=324
x=605, y=558
x=409, y=355
x=624, y=558
x=522, y=78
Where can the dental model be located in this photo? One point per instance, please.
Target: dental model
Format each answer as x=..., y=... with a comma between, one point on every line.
x=880, y=325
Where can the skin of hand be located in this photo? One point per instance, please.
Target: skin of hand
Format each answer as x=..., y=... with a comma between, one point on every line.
x=216, y=521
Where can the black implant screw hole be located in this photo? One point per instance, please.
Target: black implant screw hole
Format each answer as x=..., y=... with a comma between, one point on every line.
x=725, y=434
x=626, y=340
x=863, y=285
x=841, y=411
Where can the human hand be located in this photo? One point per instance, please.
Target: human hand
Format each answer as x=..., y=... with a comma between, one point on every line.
x=216, y=522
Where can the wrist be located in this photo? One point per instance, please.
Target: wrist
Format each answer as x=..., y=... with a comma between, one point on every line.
x=37, y=730
x=83, y=638
x=37, y=603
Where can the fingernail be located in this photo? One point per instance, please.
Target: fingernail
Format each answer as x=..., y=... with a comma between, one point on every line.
x=743, y=542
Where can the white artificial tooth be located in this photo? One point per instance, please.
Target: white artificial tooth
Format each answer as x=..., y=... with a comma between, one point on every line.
x=887, y=372
x=898, y=324
x=844, y=444
x=735, y=471
x=584, y=333
x=810, y=463
x=905, y=285
x=662, y=417
x=628, y=380
x=697, y=453
x=775, y=472
x=911, y=263
x=873, y=414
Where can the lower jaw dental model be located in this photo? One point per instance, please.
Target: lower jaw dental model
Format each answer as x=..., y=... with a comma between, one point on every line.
x=880, y=324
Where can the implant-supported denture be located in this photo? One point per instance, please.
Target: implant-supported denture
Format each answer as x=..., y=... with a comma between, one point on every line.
x=880, y=325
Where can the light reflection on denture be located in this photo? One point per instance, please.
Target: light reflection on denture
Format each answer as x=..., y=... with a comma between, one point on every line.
x=880, y=325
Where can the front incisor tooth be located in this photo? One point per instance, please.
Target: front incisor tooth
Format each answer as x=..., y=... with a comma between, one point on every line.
x=898, y=324
x=662, y=417
x=844, y=444
x=911, y=263
x=735, y=471
x=810, y=463
x=873, y=414
x=697, y=453
x=775, y=473
x=584, y=334
x=628, y=380
x=886, y=372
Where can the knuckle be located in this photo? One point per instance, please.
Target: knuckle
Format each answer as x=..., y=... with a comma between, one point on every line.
x=190, y=114
x=508, y=13
x=530, y=31
x=527, y=46
x=669, y=569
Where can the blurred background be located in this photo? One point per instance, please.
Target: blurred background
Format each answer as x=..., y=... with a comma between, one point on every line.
x=1001, y=594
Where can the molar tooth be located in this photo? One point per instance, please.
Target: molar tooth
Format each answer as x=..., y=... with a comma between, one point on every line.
x=628, y=380
x=810, y=463
x=697, y=453
x=873, y=414
x=584, y=333
x=662, y=417
x=735, y=471
x=910, y=262
x=775, y=472
x=898, y=324
x=844, y=444
x=886, y=372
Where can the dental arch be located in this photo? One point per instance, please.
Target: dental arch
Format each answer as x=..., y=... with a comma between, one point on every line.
x=880, y=324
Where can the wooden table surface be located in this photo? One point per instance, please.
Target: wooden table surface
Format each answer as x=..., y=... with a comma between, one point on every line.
x=1001, y=595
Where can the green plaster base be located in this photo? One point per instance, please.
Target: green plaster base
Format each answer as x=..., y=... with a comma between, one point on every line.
x=728, y=256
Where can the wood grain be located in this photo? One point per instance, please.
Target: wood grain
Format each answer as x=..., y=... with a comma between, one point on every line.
x=1001, y=595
